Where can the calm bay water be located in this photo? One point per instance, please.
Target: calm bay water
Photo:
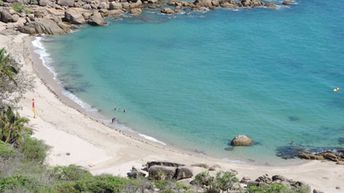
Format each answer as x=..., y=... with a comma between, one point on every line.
x=198, y=80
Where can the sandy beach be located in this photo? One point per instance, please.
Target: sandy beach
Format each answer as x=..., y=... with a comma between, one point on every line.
x=75, y=138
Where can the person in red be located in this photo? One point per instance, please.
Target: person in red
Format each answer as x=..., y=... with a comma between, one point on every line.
x=33, y=108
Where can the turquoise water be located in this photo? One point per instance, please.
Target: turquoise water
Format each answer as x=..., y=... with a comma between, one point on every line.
x=196, y=81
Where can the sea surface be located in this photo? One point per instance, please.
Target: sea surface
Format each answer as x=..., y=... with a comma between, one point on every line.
x=197, y=80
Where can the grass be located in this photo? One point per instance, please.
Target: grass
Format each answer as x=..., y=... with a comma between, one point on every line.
x=18, y=7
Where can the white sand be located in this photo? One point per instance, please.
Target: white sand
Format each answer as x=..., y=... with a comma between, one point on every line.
x=103, y=150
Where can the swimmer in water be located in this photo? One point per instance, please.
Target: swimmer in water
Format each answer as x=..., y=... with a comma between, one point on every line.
x=113, y=120
x=123, y=110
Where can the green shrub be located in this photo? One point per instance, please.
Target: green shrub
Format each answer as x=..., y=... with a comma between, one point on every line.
x=271, y=188
x=6, y=151
x=18, y=182
x=18, y=7
x=103, y=183
x=33, y=150
x=70, y=173
x=1, y=3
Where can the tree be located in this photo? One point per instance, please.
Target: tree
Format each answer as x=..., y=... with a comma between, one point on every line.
x=13, y=81
x=6, y=69
x=13, y=128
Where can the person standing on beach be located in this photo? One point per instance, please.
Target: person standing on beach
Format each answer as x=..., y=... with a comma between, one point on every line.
x=34, y=108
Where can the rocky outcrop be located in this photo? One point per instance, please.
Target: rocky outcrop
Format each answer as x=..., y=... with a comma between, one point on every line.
x=288, y=2
x=168, y=11
x=335, y=156
x=241, y=140
x=6, y=16
x=135, y=173
x=43, y=26
x=74, y=16
x=96, y=19
x=161, y=172
x=167, y=170
x=67, y=3
x=252, y=3
x=183, y=173
x=115, y=5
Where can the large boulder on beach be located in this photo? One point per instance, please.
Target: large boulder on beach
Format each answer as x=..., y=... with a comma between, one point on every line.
x=183, y=173
x=115, y=5
x=161, y=172
x=167, y=11
x=241, y=140
x=96, y=19
x=74, y=16
x=42, y=26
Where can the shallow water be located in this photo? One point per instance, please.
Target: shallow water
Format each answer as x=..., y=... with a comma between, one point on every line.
x=198, y=80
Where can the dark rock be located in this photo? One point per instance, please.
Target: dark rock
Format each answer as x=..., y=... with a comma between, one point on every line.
x=264, y=179
x=278, y=178
x=6, y=17
x=183, y=173
x=135, y=173
x=288, y=2
x=96, y=19
x=161, y=172
x=74, y=16
x=310, y=156
x=317, y=191
x=168, y=11
x=245, y=180
x=241, y=140
x=330, y=156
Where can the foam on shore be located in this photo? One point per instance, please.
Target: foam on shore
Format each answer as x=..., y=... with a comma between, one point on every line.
x=151, y=139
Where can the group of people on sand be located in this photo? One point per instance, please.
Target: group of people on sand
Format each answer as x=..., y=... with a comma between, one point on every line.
x=117, y=110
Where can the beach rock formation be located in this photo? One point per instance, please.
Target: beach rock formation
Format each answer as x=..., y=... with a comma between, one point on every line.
x=335, y=156
x=43, y=26
x=96, y=19
x=135, y=173
x=161, y=172
x=252, y=3
x=167, y=170
x=6, y=16
x=241, y=140
x=183, y=173
x=74, y=16
x=288, y=2
x=168, y=11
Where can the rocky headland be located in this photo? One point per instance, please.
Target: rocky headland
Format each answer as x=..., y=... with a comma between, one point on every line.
x=54, y=17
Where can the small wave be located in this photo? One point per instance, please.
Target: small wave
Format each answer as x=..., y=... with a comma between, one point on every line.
x=151, y=139
x=44, y=56
x=78, y=101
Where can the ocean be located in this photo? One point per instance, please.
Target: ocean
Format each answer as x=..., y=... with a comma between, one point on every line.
x=197, y=80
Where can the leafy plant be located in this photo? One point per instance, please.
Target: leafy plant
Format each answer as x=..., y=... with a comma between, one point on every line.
x=33, y=150
x=70, y=173
x=7, y=70
x=18, y=7
x=12, y=127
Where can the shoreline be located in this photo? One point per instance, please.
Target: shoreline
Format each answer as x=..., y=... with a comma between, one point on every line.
x=100, y=149
x=49, y=78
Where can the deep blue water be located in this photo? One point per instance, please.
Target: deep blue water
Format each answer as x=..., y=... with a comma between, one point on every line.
x=198, y=80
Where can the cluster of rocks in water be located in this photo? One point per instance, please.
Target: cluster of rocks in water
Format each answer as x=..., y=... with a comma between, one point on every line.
x=329, y=154
x=60, y=16
x=162, y=170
